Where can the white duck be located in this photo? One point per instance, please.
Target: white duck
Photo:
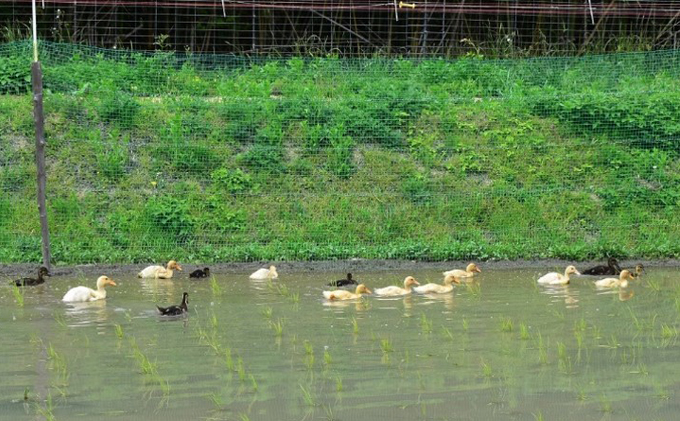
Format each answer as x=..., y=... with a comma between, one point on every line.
x=436, y=288
x=395, y=290
x=84, y=294
x=160, y=272
x=341, y=294
x=621, y=282
x=469, y=272
x=265, y=273
x=554, y=278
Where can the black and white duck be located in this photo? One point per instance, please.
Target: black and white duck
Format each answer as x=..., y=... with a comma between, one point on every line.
x=175, y=310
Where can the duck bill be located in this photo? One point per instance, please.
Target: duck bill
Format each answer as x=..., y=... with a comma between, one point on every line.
x=478, y=270
x=113, y=283
x=179, y=267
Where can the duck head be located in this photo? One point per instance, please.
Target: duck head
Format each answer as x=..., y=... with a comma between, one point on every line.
x=349, y=276
x=473, y=268
x=206, y=271
x=570, y=270
x=43, y=271
x=625, y=274
x=451, y=279
x=103, y=281
x=174, y=265
x=185, y=299
x=410, y=281
x=363, y=289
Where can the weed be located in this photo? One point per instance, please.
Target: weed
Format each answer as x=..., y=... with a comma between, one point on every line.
x=18, y=295
x=215, y=286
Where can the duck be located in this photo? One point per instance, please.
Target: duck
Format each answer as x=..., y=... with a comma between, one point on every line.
x=42, y=272
x=469, y=271
x=393, y=290
x=160, y=272
x=343, y=282
x=175, y=310
x=447, y=286
x=620, y=282
x=638, y=270
x=612, y=268
x=341, y=294
x=198, y=273
x=554, y=278
x=85, y=294
x=265, y=273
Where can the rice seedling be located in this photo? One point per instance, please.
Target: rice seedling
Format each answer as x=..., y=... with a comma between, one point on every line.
x=578, y=335
x=487, y=370
x=465, y=325
x=446, y=332
x=329, y=413
x=474, y=289
x=612, y=342
x=253, y=382
x=243, y=416
x=241, y=369
x=425, y=323
x=277, y=327
x=267, y=313
x=661, y=392
x=523, y=331
x=506, y=325
x=668, y=331
x=216, y=400
x=386, y=345
x=542, y=349
x=563, y=359
x=327, y=359
x=26, y=392
x=605, y=404
x=144, y=363
x=654, y=285
x=119, y=331
x=46, y=410
x=228, y=360
x=538, y=416
x=18, y=295
x=355, y=326
x=294, y=297
x=59, y=318
x=215, y=286
x=580, y=325
x=338, y=383
x=640, y=369
x=213, y=321
x=309, y=349
x=307, y=396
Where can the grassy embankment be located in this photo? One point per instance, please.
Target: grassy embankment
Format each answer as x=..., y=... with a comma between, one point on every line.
x=324, y=158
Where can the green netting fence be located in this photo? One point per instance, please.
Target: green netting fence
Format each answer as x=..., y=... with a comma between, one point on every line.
x=228, y=158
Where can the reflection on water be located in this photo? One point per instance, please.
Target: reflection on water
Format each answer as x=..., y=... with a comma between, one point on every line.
x=499, y=347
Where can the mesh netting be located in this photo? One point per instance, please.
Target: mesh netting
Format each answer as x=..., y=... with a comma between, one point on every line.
x=212, y=158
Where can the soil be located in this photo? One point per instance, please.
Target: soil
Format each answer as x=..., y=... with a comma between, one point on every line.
x=352, y=265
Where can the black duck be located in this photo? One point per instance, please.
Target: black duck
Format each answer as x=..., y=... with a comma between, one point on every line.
x=175, y=310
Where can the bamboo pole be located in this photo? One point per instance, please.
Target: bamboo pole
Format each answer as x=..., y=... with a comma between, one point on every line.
x=39, y=118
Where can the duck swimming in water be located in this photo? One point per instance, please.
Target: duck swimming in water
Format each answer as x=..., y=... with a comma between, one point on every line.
x=394, y=290
x=466, y=274
x=343, y=282
x=198, y=273
x=265, y=273
x=554, y=278
x=341, y=294
x=160, y=272
x=620, y=282
x=42, y=272
x=175, y=310
x=85, y=294
x=447, y=286
x=612, y=268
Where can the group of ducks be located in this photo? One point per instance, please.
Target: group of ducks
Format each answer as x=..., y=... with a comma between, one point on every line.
x=451, y=277
x=410, y=284
x=612, y=268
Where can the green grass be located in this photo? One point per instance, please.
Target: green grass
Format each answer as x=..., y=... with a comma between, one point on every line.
x=404, y=159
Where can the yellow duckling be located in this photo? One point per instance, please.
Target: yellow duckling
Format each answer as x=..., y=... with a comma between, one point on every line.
x=265, y=273
x=469, y=272
x=393, y=290
x=554, y=278
x=84, y=294
x=160, y=272
x=620, y=282
x=341, y=294
x=447, y=286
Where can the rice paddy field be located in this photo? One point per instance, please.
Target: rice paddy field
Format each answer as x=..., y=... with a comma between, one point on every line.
x=500, y=347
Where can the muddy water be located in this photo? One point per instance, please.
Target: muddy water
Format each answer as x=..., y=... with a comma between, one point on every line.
x=498, y=348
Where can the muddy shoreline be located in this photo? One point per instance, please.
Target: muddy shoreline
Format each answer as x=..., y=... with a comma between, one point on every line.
x=351, y=265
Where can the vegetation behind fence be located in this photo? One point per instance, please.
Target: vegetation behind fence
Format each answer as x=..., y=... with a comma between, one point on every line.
x=214, y=158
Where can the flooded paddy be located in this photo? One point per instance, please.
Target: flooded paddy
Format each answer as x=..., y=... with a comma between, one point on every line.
x=497, y=348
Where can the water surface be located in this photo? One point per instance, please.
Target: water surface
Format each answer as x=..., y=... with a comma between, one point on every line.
x=498, y=348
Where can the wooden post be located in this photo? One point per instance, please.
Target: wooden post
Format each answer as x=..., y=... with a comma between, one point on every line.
x=38, y=117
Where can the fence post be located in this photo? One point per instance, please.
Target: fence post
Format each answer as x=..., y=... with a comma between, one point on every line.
x=38, y=117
